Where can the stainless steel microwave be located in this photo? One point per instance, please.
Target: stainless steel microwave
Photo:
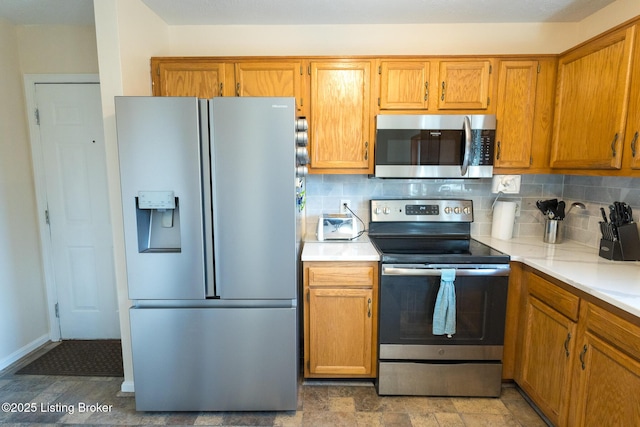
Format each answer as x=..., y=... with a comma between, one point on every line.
x=434, y=146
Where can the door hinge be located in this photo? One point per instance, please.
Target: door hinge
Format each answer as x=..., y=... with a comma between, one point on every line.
x=46, y=217
x=380, y=69
x=490, y=68
x=307, y=296
x=37, y=114
x=57, y=309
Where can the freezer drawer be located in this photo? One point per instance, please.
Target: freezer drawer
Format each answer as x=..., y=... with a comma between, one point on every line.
x=214, y=359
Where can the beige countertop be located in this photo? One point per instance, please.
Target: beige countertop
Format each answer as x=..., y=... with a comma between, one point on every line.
x=616, y=282
x=359, y=249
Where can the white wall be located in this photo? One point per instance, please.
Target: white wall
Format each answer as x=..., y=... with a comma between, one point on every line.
x=416, y=39
x=127, y=34
x=34, y=49
x=23, y=314
x=59, y=49
x=616, y=13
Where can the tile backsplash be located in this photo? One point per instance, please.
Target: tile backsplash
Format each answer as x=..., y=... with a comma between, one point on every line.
x=325, y=192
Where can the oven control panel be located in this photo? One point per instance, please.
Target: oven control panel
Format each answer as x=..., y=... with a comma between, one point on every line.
x=433, y=210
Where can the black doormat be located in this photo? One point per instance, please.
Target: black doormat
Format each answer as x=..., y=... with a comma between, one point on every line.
x=95, y=358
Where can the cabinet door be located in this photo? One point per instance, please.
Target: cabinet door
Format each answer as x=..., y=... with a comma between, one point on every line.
x=340, y=331
x=591, y=103
x=339, y=134
x=270, y=79
x=464, y=85
x=546, y=358
x=187, y=78
x=609, y=381
x=404, y=85
x=517, y=83
x=632, y=139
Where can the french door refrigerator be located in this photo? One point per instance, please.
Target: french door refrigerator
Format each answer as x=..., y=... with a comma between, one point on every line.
x=212, y=221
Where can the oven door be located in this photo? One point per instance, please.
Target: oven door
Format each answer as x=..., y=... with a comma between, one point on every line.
x=407, y=299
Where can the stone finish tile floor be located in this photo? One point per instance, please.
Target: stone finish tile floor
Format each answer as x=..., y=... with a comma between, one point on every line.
x=56, y=400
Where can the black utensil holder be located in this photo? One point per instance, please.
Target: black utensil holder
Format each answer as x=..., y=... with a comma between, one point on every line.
x=626, y=248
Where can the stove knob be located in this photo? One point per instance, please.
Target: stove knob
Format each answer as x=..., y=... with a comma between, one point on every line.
x=456, y=210
x=466, y=210
x=447, y=210
x=377, y=211
x=386, y=211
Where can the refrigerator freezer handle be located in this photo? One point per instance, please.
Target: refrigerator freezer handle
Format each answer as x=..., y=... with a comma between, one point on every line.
x=207, y=200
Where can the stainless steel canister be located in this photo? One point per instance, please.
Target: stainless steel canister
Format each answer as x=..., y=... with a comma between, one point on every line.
x=553, y=231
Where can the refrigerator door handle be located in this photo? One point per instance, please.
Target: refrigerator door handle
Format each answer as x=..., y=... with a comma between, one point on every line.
x=207, y=206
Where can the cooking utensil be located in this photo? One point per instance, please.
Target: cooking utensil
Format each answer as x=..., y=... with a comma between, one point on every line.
x=549, y=208
x=578, y=205
x=604, y=215
x=559, y=211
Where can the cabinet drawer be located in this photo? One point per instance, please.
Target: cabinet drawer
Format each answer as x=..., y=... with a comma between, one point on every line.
x=554, y=296
x=616, y=331
x=342, y=274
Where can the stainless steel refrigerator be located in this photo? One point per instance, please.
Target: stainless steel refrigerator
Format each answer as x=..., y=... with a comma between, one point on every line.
x=212, y=212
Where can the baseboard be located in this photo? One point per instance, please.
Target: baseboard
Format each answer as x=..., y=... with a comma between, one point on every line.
x=127, y=387
x=23, y=351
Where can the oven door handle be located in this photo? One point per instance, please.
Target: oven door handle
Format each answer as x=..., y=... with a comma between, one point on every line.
x=413, y=271
x=467, y=146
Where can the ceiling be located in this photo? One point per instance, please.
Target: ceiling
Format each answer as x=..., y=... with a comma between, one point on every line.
x=313, y=12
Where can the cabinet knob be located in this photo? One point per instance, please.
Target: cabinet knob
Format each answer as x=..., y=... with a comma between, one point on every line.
x=613, y=145
x=634, y=142
x=369, y=308
x=442, y=97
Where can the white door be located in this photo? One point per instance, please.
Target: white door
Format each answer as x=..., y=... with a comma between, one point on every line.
x=72, y=141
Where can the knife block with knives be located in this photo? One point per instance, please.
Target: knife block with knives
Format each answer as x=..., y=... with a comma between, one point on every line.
x=620, y=241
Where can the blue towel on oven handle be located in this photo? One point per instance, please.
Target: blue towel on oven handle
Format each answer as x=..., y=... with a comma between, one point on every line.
x=444, y=312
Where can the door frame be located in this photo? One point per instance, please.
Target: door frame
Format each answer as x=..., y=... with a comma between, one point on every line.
x=39, y=178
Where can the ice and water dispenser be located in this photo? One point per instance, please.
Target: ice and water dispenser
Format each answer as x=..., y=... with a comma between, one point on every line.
x=158, y=221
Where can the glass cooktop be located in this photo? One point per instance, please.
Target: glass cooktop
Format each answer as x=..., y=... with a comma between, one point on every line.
x=425, y=249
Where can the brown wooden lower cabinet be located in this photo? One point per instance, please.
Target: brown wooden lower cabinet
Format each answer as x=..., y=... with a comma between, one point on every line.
x=340, y=319
x=607, y=373
x=577, y=359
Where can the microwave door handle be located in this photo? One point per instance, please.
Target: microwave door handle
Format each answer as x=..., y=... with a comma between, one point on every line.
x=467, y=145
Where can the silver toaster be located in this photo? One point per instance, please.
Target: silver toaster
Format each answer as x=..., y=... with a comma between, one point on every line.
x=336, y=227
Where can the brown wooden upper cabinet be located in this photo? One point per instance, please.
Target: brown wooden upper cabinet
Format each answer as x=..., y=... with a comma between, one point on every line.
x=431, y=84
x=631, y=157
x=340, y=124
x=591, y=103
x=404, y=85
x=464, y=85
x=190, y=77
x=524, y=111
x=265, y=78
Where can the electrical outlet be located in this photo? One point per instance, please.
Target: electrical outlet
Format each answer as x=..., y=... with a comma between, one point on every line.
x=506, y=184
x=345, y=202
